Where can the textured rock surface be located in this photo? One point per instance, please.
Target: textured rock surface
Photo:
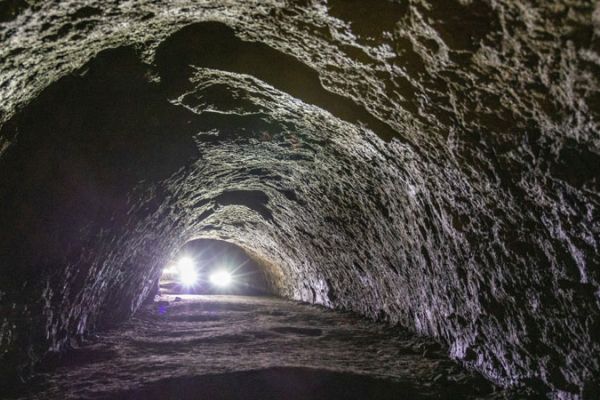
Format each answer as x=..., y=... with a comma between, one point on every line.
x=237, y=347
x=434, y=165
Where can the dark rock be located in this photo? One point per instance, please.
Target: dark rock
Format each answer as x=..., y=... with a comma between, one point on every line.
x=433, y=165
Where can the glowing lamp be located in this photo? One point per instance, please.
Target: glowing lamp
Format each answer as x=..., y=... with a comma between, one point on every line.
x=220, y=278
x=187, y=271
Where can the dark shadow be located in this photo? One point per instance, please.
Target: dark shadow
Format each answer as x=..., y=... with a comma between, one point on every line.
x=75, y=358
x=578, y=166
x=10, y=9
x=292, y=330
x=463, y=26
x=80, y=147
x=369, y=20
x=275, y=383
x=256, y=200
x=76, y=152
x=215, y=45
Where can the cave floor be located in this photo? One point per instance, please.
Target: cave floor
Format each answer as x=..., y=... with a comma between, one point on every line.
x=235, y=347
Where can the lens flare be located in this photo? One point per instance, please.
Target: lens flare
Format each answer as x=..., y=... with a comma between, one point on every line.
x=220, y=278
x=187, y=271
x=170, y=270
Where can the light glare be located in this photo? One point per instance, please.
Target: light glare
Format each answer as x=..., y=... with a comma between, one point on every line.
x=185, y=263
x=187, y=271
x=170, y=270
x=220, y=278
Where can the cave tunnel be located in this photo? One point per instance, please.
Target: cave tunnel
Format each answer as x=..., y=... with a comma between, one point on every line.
x=300, y=199
x=206, y=266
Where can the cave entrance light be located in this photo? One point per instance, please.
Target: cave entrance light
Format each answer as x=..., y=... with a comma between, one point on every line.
x=221, y=278
x=206, y=266
x=187, y=272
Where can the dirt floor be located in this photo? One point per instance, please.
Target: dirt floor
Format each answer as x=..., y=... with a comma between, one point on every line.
x=235, y=347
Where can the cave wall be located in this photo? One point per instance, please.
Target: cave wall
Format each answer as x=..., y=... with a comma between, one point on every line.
x=424, y=163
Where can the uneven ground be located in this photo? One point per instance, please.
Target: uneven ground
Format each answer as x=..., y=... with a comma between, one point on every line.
x=428, y=163
x=236, y=347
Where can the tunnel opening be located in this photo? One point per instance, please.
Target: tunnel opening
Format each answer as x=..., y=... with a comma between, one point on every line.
x=429, y=166
x=209, y=267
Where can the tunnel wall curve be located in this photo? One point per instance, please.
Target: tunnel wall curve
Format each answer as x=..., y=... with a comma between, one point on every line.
x=412, y=167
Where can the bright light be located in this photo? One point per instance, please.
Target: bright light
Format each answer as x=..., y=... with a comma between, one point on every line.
x=188, y=278
x=220, y=278
x=170, y=270
x=187, y=271
x=185, y=263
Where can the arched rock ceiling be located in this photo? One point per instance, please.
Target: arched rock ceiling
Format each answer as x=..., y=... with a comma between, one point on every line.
x=433, y=164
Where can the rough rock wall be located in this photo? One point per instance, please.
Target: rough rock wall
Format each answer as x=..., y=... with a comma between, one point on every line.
x=434, y=164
